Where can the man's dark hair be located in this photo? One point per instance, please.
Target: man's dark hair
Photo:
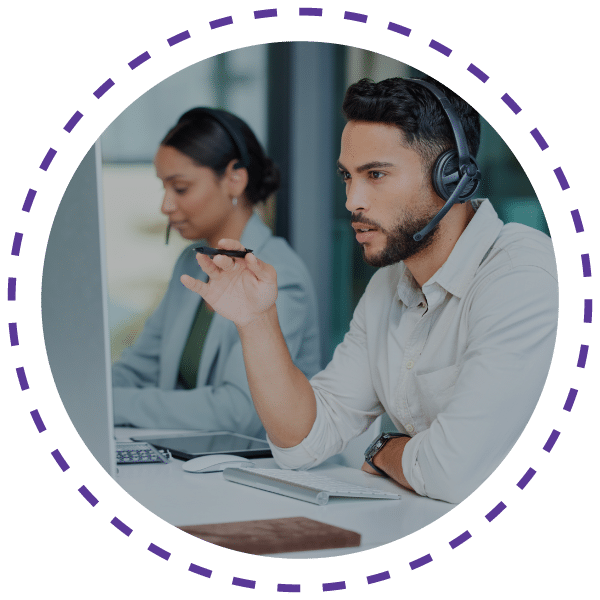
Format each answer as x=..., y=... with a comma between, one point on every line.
x=415, y=111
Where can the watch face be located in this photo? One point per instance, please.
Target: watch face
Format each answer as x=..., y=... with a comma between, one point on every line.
x=380, y=442
x=375, y=447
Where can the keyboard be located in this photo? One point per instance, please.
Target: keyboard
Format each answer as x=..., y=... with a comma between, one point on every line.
x=140, y=452
x=302, y=485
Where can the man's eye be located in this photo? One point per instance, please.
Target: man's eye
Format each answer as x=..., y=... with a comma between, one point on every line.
x=376, y=174
x=344, y=175
x=180, y=190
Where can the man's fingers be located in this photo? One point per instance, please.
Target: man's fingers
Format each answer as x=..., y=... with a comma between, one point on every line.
x=195, y=285
x=228, y=244
x=224, y=263
x=206, y=264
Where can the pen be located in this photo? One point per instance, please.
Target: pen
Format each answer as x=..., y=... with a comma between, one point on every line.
x=214, y=251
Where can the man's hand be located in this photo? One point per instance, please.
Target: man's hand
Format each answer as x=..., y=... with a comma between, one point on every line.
x=244, y=291
x=239, y=289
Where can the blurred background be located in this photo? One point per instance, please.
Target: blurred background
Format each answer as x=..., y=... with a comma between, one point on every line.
x=290, y=94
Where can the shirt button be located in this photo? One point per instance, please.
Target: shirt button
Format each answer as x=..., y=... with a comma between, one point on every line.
x=409, y=428
x=410, y=364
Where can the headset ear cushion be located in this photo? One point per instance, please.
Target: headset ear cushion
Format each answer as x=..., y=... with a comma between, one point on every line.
x=445, y=177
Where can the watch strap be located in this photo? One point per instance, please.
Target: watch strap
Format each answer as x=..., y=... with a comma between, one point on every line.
x=370, y=463
x=377, y=446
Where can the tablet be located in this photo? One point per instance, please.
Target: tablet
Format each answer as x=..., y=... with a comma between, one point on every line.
x=217, y=442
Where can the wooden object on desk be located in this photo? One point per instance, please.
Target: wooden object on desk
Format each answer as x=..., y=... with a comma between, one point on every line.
x=272, y=536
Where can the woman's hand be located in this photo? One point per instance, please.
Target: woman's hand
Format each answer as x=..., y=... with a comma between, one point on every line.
x=239, y=289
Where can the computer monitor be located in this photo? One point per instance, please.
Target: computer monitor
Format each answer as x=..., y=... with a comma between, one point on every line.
x=75, y=310
x=75, y=314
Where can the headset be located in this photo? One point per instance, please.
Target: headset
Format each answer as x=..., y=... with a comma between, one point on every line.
x=220, y=116
x=455, y=175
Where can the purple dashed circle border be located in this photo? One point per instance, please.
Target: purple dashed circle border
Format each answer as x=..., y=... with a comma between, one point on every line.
x=46, y=163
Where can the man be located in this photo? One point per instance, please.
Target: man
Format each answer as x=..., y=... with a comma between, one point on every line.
x=454, y=334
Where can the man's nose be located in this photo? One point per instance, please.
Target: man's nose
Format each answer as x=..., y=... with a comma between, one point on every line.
x=356, y=197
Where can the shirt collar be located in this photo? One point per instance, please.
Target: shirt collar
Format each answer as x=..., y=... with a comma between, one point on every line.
x=456, y=273
x=256, y=234
x=408, y=290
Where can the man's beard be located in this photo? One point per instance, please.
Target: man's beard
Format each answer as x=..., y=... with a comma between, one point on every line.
x=400, y=243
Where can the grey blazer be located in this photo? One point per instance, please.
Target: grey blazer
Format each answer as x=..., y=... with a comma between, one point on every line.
x=145, y=390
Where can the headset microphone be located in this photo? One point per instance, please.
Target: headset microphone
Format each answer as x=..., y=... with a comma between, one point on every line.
x=464, y=182
x=455, y=175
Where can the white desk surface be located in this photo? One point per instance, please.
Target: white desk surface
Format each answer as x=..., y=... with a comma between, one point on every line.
x=182, y=498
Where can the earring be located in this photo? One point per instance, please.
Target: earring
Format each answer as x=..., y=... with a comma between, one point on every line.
x=234, y=201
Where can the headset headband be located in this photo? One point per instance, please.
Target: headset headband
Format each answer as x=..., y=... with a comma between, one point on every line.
x=236, y=136
x=457, y=128
x=468, y=171
x=220, y=116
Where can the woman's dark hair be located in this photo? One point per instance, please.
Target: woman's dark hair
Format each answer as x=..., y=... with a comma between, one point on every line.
x=207, y=142
x=415, y=111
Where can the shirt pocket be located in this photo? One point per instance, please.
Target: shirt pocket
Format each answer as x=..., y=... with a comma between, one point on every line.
x=434, y=390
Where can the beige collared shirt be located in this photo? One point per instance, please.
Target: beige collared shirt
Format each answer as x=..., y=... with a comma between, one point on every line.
x=459, y=365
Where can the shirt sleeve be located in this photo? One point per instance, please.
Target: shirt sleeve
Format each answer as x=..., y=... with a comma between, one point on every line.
x=346, y=400
x=138, y=365
x=227, y=406
x=512, y=329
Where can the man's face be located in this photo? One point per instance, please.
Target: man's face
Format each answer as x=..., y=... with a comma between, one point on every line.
x=388, y=194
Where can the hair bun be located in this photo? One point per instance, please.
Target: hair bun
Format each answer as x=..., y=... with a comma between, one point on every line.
x=214, y=142
x=269, y=181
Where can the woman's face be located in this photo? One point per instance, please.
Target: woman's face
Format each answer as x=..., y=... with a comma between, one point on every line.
x=197, y=203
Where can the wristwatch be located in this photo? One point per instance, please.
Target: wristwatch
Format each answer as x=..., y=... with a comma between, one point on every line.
x=377, y=445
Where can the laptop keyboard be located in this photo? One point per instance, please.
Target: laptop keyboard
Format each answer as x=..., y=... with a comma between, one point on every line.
x=140, y=452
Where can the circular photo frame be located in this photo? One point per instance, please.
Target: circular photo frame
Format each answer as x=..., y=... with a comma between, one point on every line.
x=66, y=501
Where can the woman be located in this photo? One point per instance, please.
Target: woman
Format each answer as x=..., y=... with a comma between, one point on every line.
x=186, y=368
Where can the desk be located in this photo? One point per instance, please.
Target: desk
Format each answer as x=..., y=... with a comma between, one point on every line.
x=182, y=498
